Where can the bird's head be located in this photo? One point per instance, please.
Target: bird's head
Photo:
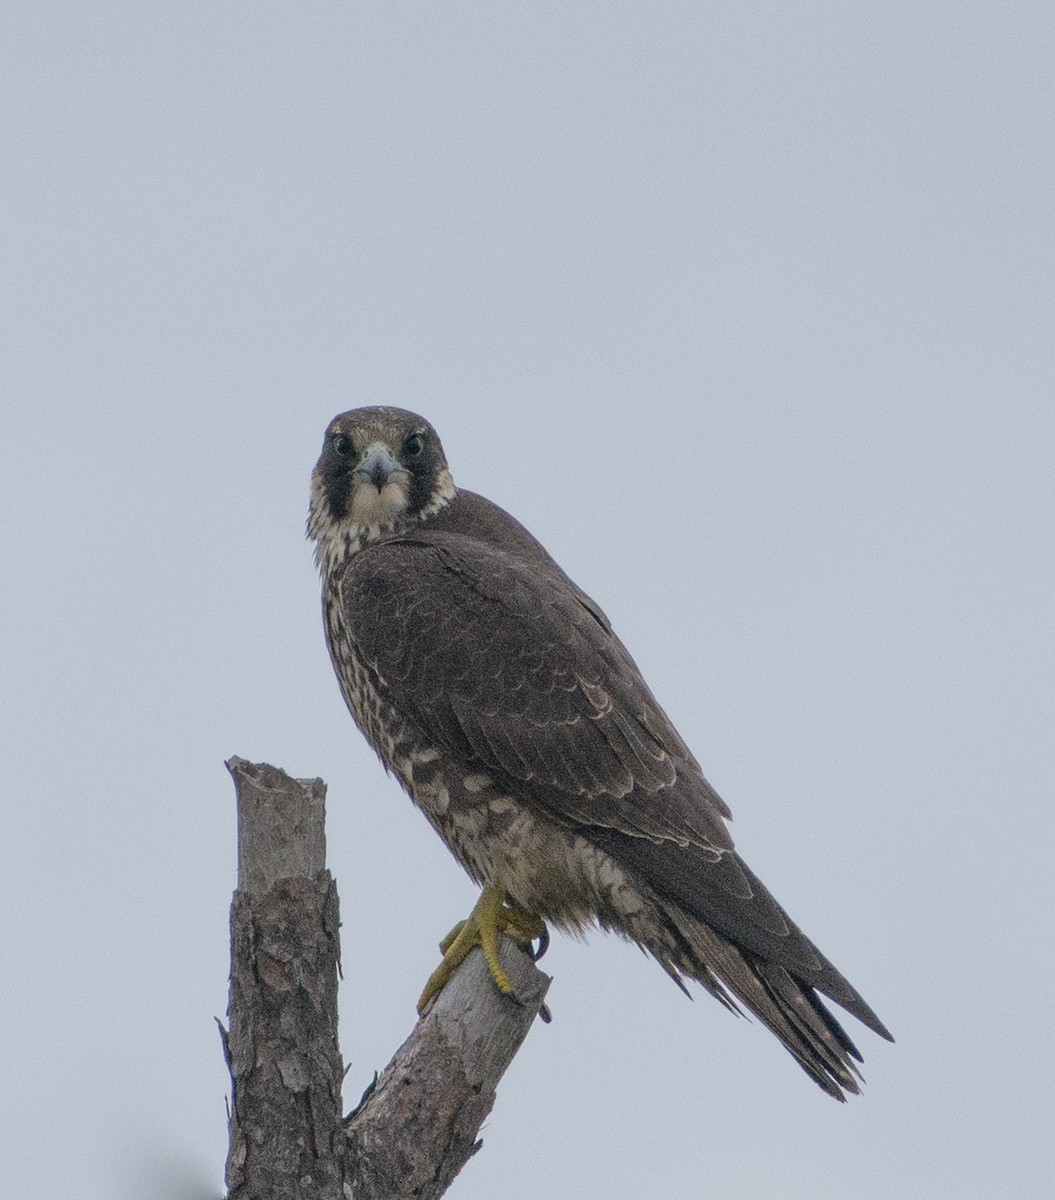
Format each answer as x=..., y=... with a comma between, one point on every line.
x=381, y=469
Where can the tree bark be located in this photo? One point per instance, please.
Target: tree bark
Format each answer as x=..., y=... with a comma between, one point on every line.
x=285, y=1138
x=417, y=1126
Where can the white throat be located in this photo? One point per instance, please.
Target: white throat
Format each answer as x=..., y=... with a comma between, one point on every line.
x=374, y=513
x=378, y=507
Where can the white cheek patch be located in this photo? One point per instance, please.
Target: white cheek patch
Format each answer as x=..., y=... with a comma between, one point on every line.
x=384, y=506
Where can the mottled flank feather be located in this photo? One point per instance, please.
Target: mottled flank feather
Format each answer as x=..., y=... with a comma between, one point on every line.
x=496, y=691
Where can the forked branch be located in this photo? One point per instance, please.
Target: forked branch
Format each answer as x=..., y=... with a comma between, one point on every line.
x=418, y=1124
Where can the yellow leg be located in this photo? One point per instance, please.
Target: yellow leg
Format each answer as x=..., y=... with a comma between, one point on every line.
x=490, y=919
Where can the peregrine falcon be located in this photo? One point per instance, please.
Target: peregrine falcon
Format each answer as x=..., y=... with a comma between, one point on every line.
x=498, y=694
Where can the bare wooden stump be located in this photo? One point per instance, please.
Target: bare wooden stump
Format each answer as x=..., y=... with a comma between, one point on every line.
x=286, y=1070
x=418, y=1125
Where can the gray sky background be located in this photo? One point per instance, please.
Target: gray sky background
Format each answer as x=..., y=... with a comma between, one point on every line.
x=746, y=310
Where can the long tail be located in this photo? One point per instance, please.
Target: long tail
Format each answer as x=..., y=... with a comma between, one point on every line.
x=710, y=918
x=788, y=1006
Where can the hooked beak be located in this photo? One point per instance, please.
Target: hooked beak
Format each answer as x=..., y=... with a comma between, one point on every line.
x=377, y=466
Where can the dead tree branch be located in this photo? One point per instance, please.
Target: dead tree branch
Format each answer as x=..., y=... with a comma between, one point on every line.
x=285, y=1119
x=417, y=1128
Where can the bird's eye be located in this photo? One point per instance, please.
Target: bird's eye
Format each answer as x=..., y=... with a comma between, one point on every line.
x=414, y=445
x=342, y=444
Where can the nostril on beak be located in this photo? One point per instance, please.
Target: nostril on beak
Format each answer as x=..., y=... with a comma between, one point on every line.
x=377, y=465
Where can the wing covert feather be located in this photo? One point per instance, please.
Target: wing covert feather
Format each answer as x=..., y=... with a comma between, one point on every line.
x=507, y=662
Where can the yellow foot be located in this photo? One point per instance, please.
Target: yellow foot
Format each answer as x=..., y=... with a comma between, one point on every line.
x=490, y=919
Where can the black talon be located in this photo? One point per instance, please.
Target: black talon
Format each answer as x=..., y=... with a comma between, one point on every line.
x=543, y=946
x=545, y=1015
